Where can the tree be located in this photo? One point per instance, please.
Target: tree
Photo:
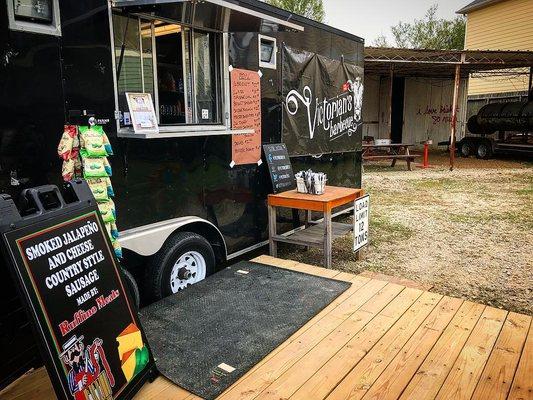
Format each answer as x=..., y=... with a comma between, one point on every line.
x=313, y=9
x=429, y=32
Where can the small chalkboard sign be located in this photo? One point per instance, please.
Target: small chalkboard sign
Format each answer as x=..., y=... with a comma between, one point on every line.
x=63, y=261
x=279, y=167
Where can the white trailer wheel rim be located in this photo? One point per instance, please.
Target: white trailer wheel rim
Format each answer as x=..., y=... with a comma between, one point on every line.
x=189, y=269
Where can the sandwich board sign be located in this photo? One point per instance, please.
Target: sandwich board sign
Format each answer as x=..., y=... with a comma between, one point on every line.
x=360, y=219
x=70, y=281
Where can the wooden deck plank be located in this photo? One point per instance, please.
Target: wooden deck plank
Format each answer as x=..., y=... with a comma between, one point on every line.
x=33, y=385
x=497, y=377
x=360, y=379
x=399, y=372
x=522, y=387
x=302, y=370
x=161, y=389
x=357, y=283
x=333, y=371
x=467, y=369
x=437, y=365
x=377, y=340
x=296, y=266
x=250, y=385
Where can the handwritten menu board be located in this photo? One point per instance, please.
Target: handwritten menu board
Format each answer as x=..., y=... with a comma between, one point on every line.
x=92, y=338
x=279, y=167
x=246, y=114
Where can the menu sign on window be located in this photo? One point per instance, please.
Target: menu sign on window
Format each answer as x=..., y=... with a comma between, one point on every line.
x=142, y=112
x=246, y=114
x=279, y=167
x=93, y=342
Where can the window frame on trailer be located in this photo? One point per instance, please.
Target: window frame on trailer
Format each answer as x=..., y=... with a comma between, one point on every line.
x=26, y=25
x=223, y=126
x=272, y=64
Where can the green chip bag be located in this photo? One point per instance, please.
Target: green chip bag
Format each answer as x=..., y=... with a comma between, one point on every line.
x=93, y=140
x=107, y=211
x=99, y=188
x=96, y=167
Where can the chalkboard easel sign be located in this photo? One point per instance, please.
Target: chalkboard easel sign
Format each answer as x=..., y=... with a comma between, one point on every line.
x=279, y=167
x=70, y=281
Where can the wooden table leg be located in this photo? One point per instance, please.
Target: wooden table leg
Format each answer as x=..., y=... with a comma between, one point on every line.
x=408, y=159
x=273, y=246
x=327, y=239
x=308, y=219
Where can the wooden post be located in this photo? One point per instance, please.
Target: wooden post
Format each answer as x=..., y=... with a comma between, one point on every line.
x=273, y=246
x=391, y=77
x=454, y=114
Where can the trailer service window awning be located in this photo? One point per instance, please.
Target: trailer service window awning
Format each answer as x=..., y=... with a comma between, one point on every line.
x=221, y=15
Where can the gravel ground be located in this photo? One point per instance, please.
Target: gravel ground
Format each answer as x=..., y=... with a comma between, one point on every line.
x=469, y=232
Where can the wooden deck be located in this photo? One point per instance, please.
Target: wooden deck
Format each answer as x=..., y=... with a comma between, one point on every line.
x=379, y=340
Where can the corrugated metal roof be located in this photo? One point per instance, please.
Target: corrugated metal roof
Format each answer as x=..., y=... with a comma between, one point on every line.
x=441, y=63
x=476, y=5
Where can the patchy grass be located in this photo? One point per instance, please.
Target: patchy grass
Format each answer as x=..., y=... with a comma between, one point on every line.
x=466, y=232
x=384, y=230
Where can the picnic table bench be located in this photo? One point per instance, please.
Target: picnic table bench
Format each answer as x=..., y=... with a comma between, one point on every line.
x=392, y=151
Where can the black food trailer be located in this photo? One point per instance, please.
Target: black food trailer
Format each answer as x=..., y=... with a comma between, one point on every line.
x=192, y=195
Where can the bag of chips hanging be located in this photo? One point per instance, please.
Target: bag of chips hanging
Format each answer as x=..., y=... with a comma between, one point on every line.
x=110, y=191
x=98, y=187
x=114, y=231
x=117, y=248
x=96, y=167
x=67, y=170
x=69, y=144
x=107, y=167
x=94, y=142
x=107, y=211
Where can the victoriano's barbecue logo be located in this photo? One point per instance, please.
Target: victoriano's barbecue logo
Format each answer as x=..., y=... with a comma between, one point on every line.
x=337, y=116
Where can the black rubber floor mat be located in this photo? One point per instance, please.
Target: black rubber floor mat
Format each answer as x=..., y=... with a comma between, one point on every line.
x=208, y=336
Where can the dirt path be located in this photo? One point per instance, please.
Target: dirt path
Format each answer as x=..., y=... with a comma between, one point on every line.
x=469, y=232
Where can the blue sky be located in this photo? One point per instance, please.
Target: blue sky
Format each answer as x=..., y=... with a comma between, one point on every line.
x=370, y=18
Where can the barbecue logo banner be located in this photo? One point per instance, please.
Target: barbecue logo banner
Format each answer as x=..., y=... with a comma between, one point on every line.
x=323, y=101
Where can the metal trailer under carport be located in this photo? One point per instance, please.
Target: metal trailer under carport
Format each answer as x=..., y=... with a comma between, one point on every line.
x=415, y=95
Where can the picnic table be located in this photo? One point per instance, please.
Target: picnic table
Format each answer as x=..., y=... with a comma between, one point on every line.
x=315, y=234
x=392, y=151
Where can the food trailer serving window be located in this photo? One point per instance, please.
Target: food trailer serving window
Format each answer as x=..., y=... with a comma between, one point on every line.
x=178, y=65
x=176, y=50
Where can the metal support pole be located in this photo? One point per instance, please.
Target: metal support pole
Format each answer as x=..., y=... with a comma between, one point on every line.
x=391, y=77
x=454, y=114
x=530, y=87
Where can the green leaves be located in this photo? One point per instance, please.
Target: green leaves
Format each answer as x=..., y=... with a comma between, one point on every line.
x=429, y=32
x=313, y=9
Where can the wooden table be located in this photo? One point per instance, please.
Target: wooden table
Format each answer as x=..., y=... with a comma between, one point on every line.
x=394, y=152
x=314, y=234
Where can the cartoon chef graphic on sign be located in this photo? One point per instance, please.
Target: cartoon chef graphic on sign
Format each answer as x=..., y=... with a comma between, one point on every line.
x=86, y=379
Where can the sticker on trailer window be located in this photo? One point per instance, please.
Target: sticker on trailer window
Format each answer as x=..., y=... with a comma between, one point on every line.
x=127, y=118
x=205, y=113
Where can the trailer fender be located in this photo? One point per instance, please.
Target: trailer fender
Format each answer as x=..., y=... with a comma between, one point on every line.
x=148, y=239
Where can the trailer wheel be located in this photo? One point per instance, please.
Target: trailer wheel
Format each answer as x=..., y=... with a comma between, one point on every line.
x=185, y=259
x=467, y=148
x=484, y=150
x=132, y=287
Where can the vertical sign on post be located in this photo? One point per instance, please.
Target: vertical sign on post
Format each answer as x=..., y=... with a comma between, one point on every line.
x=361, y=218
x=246, y=114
